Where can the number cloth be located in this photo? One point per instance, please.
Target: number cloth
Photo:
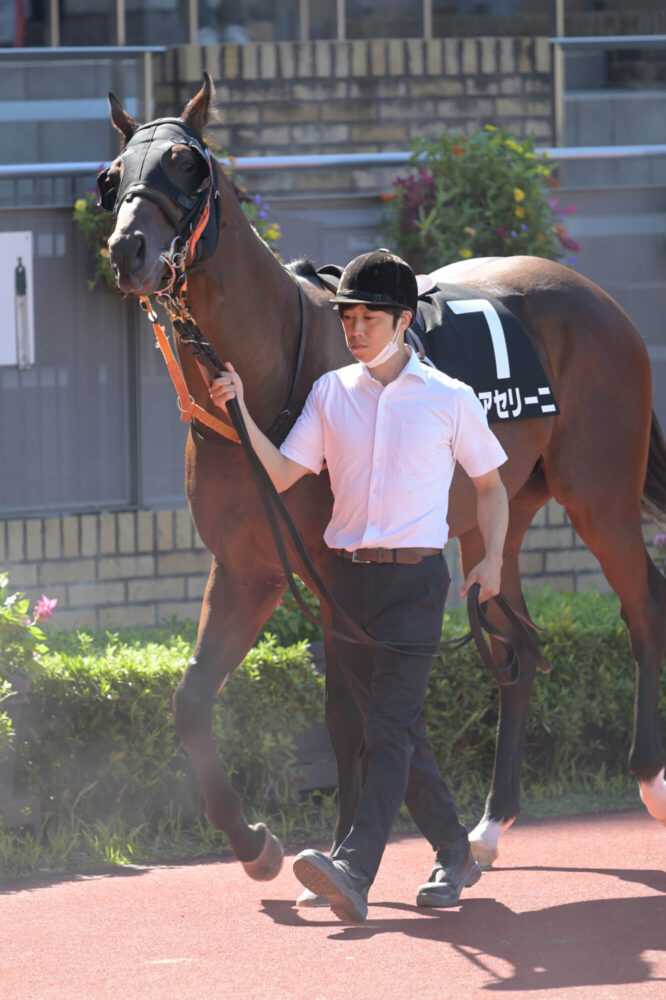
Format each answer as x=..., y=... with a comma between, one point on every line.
x=391, y=452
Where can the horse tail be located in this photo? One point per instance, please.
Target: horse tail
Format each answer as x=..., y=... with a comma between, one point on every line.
x=653, y=502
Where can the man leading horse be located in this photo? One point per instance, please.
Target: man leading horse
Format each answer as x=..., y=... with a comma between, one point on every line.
x=391, y=430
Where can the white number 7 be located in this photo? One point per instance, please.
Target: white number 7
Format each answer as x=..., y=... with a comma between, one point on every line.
x=464, y=306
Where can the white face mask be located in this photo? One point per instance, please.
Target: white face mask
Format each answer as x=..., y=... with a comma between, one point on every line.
x=387, y=351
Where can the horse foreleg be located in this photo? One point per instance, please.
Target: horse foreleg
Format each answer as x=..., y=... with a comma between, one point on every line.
x=503, y=801
x=231, y=616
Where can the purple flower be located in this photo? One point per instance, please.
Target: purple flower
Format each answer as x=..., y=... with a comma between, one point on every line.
x=257, y=199
x=573, y=260
x=659, y=540
x=262, y=215
x=513, y=234
x=523, y=227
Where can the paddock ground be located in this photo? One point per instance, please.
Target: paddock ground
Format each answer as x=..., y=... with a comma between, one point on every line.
x=575, y=908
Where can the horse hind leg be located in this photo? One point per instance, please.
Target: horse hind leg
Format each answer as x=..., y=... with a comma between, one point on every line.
x=230, y=619
x=612, y=531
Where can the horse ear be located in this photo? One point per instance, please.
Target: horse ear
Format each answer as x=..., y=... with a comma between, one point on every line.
x=199, y=110
x=122, y=120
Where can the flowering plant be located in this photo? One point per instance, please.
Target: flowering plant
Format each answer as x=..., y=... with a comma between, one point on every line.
x=21, y=638
x=486, y=194
x=659, y=543
x=97, y=225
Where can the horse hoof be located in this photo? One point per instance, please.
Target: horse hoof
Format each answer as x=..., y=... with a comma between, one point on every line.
x=308, y=898
x=484, y=840
x=484, y=856
x=653, y=796
x=267, y=866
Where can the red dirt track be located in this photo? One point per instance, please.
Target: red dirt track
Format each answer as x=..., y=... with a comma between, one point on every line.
x=576, y=908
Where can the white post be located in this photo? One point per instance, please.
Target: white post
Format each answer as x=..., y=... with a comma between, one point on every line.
x=342, y=20
x=121, y=29
x=427, y=18
x=193, y=21
x=147, y=86
x=54, y=24
x=558, y=76
x=303, y=20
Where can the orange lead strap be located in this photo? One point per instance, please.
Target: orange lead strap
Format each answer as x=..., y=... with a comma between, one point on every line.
x=187, y=406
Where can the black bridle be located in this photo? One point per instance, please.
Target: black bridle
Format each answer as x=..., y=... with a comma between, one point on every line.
x=144, y=176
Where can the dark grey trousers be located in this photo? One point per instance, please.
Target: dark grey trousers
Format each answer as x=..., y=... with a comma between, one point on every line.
x=403, y=605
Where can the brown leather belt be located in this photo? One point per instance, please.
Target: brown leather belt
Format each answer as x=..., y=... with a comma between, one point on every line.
x=410, y=556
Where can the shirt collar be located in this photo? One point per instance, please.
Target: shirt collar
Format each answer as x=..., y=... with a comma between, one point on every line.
x=414, y=366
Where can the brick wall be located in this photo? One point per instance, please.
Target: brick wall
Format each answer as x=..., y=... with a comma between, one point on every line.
x=140, y=568
x=134, y=568
x=279, y=98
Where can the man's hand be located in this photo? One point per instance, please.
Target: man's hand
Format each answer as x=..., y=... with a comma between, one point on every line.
x=227, y=386
x=487, y=574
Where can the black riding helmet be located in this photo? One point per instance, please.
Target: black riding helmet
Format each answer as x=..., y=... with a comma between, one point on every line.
x=379, y=278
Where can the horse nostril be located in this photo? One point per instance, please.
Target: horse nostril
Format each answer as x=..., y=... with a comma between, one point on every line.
x=127, y=251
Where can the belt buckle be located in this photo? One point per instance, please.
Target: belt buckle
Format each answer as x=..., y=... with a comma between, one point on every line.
x=363, y=562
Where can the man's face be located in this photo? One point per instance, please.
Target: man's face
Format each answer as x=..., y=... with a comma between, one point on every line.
x=368, y=331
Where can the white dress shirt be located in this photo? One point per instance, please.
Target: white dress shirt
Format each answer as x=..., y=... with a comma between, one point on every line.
x=391, y=452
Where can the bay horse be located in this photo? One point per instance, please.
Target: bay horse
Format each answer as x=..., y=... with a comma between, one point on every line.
x=603, y=458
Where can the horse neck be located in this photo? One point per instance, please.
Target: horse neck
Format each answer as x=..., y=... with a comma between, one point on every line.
x=247, y=305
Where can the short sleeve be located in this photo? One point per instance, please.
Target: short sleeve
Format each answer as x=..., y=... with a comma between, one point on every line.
x=305, y=441
x=474, y=444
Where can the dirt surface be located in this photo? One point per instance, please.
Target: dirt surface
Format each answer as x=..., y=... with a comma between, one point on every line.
x=575, y=908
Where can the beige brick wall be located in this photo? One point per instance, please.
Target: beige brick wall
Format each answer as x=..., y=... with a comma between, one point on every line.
x=131, y=568
x=359, y=96
x=141, y=568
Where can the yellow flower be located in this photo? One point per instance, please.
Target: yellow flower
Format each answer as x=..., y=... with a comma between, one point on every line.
x=520, y=212
x=104, y=252
x=490, y=128
x=469, y=231
x=519, y=194
x=544, y=171
x=465, y=253
x=80, y=205
x=515, y=146
x=530, y=156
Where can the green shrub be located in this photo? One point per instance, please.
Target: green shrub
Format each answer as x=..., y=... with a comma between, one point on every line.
x=101, y=750
x=115, y=783
x=581, y=714
x=486, y=194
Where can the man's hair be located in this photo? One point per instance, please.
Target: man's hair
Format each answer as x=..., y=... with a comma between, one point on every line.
x=394, y=311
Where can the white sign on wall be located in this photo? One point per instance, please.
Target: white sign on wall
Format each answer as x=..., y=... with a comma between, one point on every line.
x=17, y=340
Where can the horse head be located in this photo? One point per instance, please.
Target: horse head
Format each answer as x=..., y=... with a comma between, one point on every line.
x=162, y=189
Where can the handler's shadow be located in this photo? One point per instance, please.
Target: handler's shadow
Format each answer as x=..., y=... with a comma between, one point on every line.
x=586, y=943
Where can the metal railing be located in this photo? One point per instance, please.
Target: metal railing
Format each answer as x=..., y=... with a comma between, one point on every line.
x=67, y=174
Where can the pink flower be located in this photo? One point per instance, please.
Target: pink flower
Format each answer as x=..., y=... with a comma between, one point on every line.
x=659, y=540
x=44, y=608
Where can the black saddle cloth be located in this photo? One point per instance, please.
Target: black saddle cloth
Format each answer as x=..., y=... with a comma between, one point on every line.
x=477, y=340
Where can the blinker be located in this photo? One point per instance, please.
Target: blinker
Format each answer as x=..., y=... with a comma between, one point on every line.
x=144, y=175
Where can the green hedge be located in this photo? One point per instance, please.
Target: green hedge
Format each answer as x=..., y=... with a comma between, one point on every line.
x=101, y=750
